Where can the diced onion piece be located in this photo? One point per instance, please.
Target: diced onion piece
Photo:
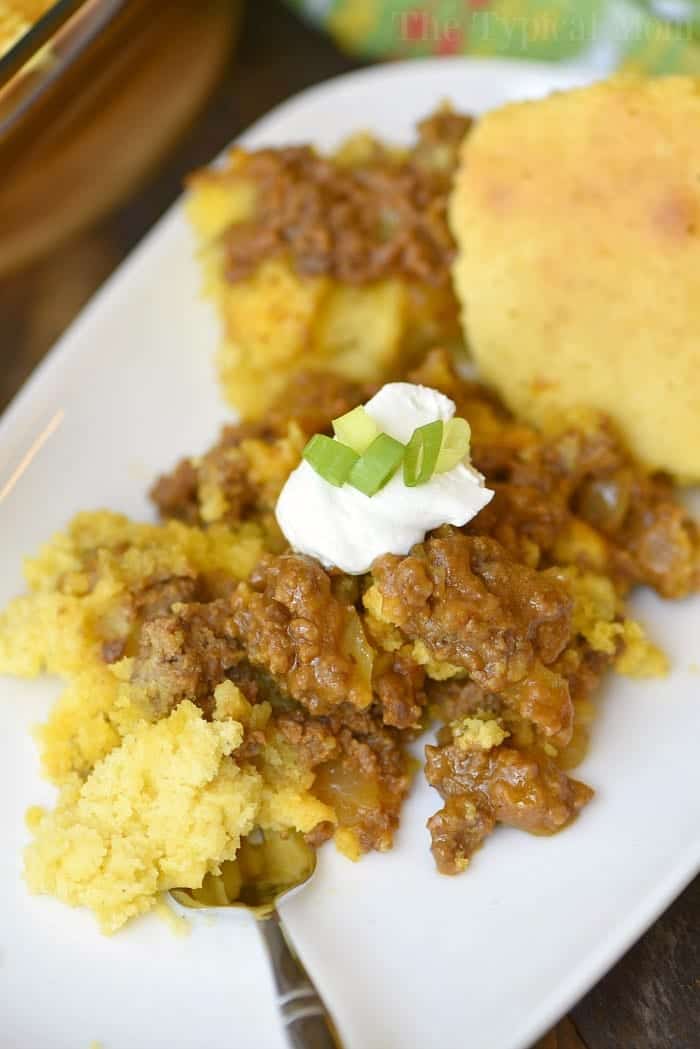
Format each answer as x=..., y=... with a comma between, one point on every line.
x=455, y=445
x=356, y=429
x=378, y=464
x=330, y=459
x=422, y=453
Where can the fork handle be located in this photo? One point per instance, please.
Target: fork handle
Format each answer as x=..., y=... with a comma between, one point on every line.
x=307, y=1022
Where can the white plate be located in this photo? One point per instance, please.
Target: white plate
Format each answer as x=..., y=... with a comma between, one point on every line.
x=406, y=958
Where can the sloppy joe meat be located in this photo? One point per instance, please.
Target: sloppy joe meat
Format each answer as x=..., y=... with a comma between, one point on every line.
x=476, y=623
x=359, y=224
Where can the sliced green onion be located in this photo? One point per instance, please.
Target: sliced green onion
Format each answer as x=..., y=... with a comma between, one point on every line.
x=422, y=453
x=356, y=429
x=455, y=445
x=330, y=459
x=378, y=464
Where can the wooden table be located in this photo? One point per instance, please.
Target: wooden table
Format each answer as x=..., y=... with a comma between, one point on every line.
x=651, y=999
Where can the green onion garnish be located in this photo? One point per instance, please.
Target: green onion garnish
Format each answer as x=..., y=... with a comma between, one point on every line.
x=422, y=453
x=455, y=445
x=330, y=459
x=356, y=429
x=378, y=464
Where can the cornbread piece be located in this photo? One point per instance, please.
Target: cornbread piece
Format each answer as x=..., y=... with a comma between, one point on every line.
x=91, y=717
x=335, y=263
x=165, y=806
x=158, y=812
x=578, y=225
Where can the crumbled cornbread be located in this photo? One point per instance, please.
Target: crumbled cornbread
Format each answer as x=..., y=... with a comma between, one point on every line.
x=599, y=618
x=640, y=657
x=347, y=844
x=82, y=585
x=438, y=671
x=144, y=805
x=89, y=719
x=229, y=702
x=476, y=732
x=158, y=812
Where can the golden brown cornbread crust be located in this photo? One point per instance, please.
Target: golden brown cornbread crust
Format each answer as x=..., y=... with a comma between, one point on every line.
x=578, y=225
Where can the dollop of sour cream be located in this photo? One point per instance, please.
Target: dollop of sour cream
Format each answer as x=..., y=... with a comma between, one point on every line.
x=343, y=528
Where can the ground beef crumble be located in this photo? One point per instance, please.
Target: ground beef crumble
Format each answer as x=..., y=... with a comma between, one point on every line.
x=475, y=607
x=290, y=622
x=186, y=654
x=481, y=787
x=359, y=224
